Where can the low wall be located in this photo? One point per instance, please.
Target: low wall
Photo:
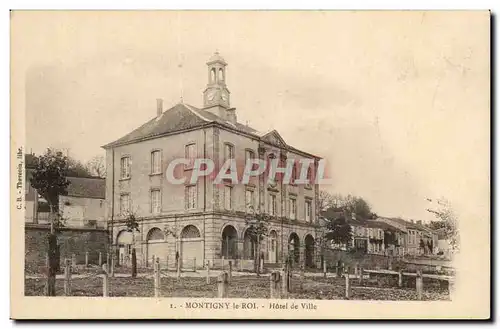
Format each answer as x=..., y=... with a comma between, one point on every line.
x=71, y=241
x=375, y=261
x=371, y=261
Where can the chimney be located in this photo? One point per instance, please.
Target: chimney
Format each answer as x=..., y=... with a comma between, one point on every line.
x=231, y=115
x=419, y=222
x=159, y=106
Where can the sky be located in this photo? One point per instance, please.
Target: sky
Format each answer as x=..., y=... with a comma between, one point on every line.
x=396, y=102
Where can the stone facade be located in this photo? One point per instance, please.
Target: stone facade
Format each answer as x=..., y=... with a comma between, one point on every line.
x=213, y=226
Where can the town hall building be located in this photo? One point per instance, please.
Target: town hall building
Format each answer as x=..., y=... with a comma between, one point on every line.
x=203, y=221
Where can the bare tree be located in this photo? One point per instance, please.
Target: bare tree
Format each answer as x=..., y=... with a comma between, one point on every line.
x=257, y=229
x=97, y=166
x=132, y=226
x=325, y=199
x=447, y=219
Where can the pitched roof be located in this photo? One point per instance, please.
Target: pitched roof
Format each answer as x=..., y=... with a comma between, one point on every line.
x=332, y=214
x=181, y=117
x=411, y=225
x=84, y=187
x=177, y=118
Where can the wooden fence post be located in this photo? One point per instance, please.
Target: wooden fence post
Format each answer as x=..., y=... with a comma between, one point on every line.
x=157, y=278
x=105, y=281
x=178, y=269
x=230, y=276
x=274, y=281
x=208, y=272
x=86, y=259
x=100, y=259
x=302, y=277
x=324, y=269
x=361, y=274
x=285, y=281
x=222, y=285
x=419, y=284
x=112, y=267
x=400, y=279
x=347, y=286
x=67, y=278
x=194, y=264
x=451, y=287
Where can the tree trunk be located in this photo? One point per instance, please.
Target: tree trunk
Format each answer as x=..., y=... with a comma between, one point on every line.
x=134, y=257
x=52, y=265
x=52, y=256
x=257, y=254
x=134, y=263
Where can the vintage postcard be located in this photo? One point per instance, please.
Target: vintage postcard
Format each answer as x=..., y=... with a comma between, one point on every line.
x=250, y=164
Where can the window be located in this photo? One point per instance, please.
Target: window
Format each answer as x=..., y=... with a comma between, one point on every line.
x=212, y=75
x=155, y=201
x=228, y=152
x=293, y=208
x=250, y=200
x=227, y=197
x=249, y=154
x=125, y=168
x=155, y=162
x=190, y=154
x=309, y=177
x=124, y=203
x=272, y=205
x=308, y=211
x=294, y=173
x=190, y=197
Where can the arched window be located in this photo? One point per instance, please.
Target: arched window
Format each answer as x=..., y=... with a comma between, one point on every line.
x=190, y=232
x=212, y=75
x=221, y=75
x=155, y=234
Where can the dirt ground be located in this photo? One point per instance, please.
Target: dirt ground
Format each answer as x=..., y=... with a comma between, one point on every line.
x=242, y=286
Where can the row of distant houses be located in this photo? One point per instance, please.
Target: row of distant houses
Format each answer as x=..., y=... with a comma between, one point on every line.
x=389, y=236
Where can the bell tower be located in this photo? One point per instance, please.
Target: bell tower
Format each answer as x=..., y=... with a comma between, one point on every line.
x=216, y=95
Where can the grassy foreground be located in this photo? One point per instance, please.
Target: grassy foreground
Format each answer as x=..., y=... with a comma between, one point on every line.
x=240, y=287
